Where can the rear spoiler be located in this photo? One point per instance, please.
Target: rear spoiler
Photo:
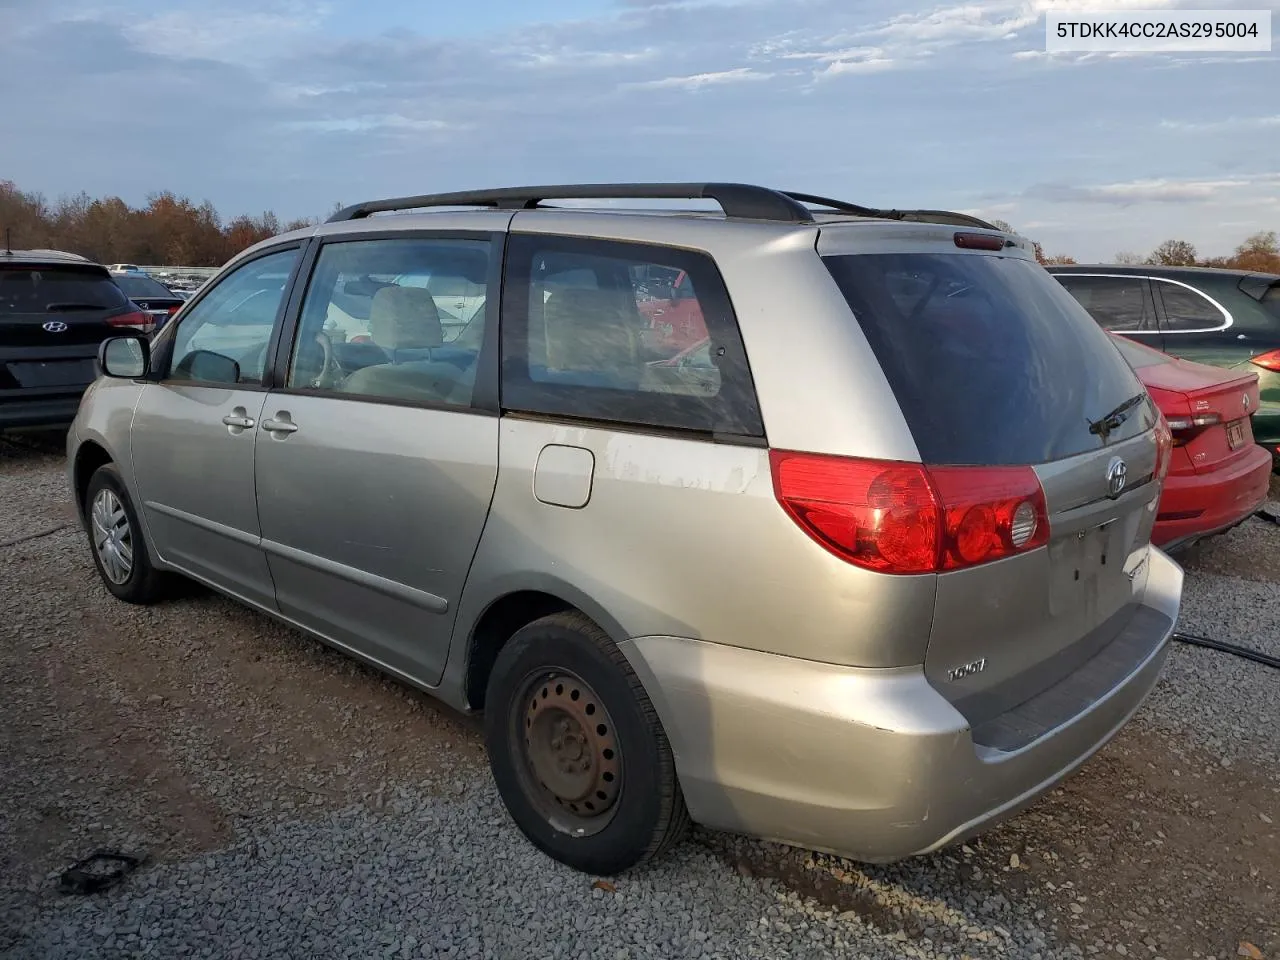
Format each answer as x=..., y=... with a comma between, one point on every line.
x=1257, y=285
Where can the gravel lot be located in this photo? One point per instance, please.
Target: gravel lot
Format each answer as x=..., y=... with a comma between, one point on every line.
x=293, y=803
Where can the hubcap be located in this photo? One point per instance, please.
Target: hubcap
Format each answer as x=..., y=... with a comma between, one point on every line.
x=572, y=750
x=112, y=537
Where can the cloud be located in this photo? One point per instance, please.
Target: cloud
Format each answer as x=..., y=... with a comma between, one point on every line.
x=867, y=65
x=368, y=123
x=1230, y=123
x=1160, y=190
x=284, y=104
x=699, y=80
x=228, y=35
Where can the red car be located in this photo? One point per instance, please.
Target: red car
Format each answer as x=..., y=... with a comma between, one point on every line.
x=1218, y=476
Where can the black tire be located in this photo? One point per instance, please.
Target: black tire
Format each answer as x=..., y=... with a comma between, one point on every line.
x=648, y=815
x=144, y=584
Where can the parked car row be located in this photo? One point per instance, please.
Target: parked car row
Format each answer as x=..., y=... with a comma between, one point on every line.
x=1225, y=318
x=867, y=571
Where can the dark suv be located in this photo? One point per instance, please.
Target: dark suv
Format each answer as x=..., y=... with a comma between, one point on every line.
x=1226, y=318
x=55, y=308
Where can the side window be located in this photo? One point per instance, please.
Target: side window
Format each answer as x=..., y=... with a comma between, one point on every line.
x=226, y=336
x=1186, y=310
x=394, y=319
x=583, y=336
x=1116, y=303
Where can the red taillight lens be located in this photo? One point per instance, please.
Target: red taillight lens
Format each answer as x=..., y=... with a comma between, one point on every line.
x=905, y=518
x=1268, y=361
x=138, y=320
x=1164, y=448
x=989, y=513
x=1185, y=429
x=174, y=309
x=882, y=516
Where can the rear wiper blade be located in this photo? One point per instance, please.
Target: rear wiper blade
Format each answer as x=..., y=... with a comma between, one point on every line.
x=58, y=307
x=1104, y=425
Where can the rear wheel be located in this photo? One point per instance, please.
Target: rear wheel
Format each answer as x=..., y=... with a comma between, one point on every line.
x=119, y=547
x=577, y=750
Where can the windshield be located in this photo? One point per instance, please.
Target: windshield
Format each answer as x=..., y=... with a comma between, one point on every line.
x=53, y=289
x=992, y=361
x=142, y=286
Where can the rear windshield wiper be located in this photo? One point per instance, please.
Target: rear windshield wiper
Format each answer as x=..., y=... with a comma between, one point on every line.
x=1104, y=425
x=59, y=307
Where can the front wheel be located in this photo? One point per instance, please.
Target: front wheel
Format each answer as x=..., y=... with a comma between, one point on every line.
x=119, y=547
x=579, y=755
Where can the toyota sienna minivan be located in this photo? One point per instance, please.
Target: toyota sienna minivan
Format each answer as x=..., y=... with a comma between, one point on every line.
x=867, y=573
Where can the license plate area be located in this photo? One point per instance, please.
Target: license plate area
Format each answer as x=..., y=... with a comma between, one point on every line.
x=1235, y=434
x=53, y=373
x=1088, y=568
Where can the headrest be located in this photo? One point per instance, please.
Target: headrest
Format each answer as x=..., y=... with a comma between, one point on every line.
x=402, y=318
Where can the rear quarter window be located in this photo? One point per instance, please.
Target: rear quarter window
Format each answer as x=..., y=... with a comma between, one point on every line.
x=577, y=342
x=992, y=361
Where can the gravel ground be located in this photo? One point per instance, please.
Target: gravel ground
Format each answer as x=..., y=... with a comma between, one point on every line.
x=293, y=803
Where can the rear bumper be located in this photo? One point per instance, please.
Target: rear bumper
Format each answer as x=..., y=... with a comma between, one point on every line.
x=39, y=411
x=1199, y=505
x=871, y=764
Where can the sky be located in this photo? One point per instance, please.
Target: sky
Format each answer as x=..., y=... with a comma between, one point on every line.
x=294, y=106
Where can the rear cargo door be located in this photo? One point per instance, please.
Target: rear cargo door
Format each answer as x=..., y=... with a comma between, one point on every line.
x=52, y=318
x=995, y=364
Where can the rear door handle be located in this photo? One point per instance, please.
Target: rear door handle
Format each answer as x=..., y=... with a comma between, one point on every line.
x=238, y=420
x=279, y=426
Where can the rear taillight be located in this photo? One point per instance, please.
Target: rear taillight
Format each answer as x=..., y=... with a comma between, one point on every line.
x=1164, y=448
x=138, y=320
x=989, y=513
x=905, y=518
x=1185, y=429
x=1268, y=361
x=174, y=309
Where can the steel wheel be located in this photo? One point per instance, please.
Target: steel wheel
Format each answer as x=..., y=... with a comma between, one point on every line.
x=112, y=536
x=570, y=750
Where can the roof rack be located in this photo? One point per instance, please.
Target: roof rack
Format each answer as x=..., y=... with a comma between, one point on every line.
x=736, y=199
x=915, y=216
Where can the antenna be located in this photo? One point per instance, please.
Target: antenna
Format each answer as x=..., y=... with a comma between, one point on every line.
x=8, y=247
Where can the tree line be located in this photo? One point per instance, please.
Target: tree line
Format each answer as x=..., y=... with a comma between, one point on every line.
x=173, y=230
x=168, y=230
x=1259, y=253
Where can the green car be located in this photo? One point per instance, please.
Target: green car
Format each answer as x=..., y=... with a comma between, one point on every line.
x=1225, y=318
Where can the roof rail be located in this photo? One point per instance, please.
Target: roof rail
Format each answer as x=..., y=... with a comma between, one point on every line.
x=915, y=216
x=736, y=199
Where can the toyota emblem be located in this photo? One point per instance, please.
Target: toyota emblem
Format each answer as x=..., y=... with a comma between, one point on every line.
x=1117, y=476
x=55, y=326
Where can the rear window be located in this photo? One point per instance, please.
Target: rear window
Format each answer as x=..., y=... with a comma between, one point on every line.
x=1139, y=356
x=56, y=289
x=142, y=286
x=992, y=361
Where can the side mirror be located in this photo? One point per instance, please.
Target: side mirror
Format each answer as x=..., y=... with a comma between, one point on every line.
x=128, y=358
x=210, y=367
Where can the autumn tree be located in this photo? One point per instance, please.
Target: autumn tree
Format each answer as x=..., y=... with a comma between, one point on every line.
x=1173, y=253
x=1127, y=258
x=1260, y=252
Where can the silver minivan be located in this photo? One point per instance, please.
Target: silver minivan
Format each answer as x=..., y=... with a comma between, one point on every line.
x=863, y=569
